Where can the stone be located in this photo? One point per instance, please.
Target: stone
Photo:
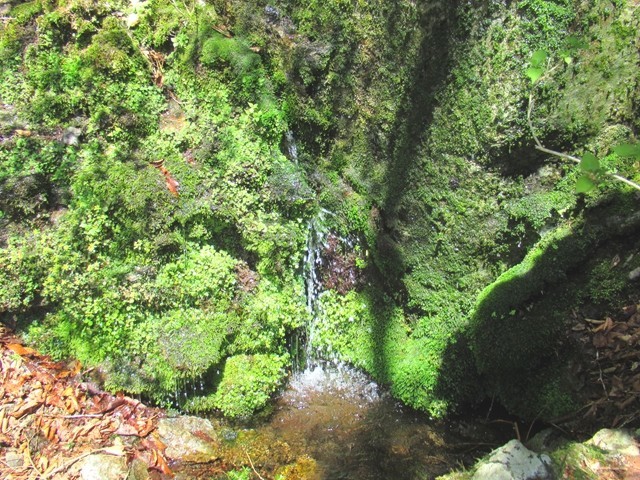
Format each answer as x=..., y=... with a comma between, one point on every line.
x=138, y=470
x=616, y=441
x=189, y=439
x=514, y=461
x=103, y=467
x=13, y=459
x=634, y=274
x=71, y=135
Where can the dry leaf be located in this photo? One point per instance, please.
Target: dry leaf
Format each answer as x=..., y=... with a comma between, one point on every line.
x=20, y=350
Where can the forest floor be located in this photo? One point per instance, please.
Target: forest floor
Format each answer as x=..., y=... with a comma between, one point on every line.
x=608, y=375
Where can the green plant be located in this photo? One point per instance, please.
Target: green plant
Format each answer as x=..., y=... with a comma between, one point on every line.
x=591, y=171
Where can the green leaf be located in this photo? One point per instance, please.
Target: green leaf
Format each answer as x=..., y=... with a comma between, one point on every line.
x=585, y=184
x=538, y=57
x=590, y=163
x=534, y=73
x=627, y=150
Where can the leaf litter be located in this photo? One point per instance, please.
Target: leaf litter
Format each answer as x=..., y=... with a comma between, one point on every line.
x=50, y=420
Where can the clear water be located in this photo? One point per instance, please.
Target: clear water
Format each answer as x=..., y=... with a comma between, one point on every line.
x=355, y=430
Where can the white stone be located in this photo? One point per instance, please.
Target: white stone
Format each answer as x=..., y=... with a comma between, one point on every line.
x=616, y=441
x=514, y=461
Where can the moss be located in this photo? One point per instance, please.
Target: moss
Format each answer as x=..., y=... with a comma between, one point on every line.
x=248, y=382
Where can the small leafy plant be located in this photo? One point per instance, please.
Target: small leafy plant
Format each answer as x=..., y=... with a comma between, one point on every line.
x=592, y=173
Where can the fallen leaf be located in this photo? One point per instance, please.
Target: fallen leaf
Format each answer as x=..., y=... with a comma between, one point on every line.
x=20, y=350
x=27, y=408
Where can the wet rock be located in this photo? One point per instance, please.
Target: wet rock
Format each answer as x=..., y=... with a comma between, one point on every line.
x=189, y=439
x=71, y=135
x=617, y=441
x=103, y=467
x=514, y=461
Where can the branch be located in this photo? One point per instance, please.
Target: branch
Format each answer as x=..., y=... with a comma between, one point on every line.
x=564, y=155
x=577, y=160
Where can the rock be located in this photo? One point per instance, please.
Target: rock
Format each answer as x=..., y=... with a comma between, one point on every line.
x=138, y=470
x=634, y=274
x=189, y=439
x=617, y=441
x=13, y=459
x=133, y=20
x=103, y=467
x=71, y=135
x=514, y=461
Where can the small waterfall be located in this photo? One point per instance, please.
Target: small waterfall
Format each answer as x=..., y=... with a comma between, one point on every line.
x=316, y=241
x=291, y=146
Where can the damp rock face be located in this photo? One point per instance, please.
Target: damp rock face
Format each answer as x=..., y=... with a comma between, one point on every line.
x=189, y=439
x=514, y=461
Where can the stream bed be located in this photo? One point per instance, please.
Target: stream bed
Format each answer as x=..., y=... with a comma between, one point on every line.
x=353, y=429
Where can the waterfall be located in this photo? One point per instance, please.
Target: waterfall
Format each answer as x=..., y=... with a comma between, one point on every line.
x=316, y=241
x=291, y=147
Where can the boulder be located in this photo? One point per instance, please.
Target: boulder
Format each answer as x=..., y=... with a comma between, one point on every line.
x=616, y=441
x=189, y=439
x=514, y=461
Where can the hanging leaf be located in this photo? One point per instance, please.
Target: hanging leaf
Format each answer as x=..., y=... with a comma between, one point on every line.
x=534, y=73
x=585, y=184
x=590, y=163
x=538, y=57
x=626, y=150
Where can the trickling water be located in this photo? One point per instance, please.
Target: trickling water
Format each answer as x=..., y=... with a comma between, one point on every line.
x=291, y=147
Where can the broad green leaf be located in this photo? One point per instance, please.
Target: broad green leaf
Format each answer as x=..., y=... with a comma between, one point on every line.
x=627, y=150
x=534, y=73
x=538, y=57
x=589, y=163
x=584, y=184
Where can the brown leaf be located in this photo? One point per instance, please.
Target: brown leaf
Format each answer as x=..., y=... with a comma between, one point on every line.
x=162, y=465
x=172, y=185
x=127, y=430
x=27, y=408
x=605, y=326
x=20, y=350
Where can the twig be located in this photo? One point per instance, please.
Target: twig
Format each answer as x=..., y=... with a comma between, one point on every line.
x=540, y=147
x=68, y=464
x=600, y=375
x=33, y=465
x=529, y=110
x=531, y=427
x=252, y=467
x=86, y=415
x=490, y=408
